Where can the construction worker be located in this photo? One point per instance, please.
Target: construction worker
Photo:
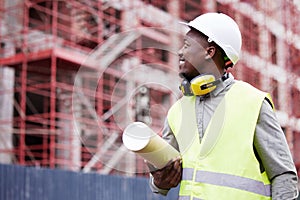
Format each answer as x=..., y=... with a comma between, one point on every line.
x=231, y=144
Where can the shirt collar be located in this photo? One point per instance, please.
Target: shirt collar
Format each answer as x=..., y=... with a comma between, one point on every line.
x=224, y=84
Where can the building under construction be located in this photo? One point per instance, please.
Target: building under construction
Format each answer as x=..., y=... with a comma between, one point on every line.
x=75, y=73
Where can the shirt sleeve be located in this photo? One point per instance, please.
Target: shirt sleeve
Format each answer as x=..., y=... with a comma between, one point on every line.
x=167, y=135
x=156, y=189
x=274, y=154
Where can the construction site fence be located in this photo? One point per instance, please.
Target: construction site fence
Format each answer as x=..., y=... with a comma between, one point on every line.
x=29, y=183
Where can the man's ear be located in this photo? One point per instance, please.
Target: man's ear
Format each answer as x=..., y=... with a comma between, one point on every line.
x=210, y=52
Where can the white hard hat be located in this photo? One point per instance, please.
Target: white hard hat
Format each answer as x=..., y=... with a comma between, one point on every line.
x=221, y=29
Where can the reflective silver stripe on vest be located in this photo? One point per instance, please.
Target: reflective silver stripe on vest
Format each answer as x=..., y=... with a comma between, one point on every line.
x=228, y=180
x=187, y=173
x=184, y=198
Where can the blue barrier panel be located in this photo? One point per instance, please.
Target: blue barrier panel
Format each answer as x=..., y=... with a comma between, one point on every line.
x=28, y=183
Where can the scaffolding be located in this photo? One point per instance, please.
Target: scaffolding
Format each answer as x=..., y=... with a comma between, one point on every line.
x=77, y=70
x=75, y=73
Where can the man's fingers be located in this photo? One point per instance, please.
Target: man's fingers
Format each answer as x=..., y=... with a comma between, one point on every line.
x=177, y=165
x=175, y=177
x=168, y=176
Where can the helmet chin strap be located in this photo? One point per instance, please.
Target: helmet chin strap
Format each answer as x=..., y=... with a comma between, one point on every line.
x=201, y=85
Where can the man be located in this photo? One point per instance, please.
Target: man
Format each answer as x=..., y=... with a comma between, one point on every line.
x=231, y=144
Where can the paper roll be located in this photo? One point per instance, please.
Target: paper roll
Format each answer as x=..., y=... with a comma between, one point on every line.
x=142, y=140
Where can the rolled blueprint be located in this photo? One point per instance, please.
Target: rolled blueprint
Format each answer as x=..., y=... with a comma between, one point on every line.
x=142, y=140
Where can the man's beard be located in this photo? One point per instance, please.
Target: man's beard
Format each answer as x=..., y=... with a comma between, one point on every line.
x=185, y=76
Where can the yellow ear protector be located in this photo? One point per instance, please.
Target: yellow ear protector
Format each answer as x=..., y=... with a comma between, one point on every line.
x=185, y=88
x=201, y=85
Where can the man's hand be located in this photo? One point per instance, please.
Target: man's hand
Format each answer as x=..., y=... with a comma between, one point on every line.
x=169, y=176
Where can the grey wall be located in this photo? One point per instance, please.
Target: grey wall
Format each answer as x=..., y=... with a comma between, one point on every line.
x=27, y=183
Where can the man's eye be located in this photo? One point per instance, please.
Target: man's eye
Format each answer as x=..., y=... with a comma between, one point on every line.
x=186, y=45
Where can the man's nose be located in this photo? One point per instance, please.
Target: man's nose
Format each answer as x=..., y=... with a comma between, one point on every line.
x=180, y=52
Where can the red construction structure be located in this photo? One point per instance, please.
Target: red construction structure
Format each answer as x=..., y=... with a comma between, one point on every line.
x=75, y=73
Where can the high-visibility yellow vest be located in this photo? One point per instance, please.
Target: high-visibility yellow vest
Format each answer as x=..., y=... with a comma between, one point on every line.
x=223, y=165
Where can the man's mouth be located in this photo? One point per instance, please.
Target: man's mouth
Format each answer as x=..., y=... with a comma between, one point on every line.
x=181, y=63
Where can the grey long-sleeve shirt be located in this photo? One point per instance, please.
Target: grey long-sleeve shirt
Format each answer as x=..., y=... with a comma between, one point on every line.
x=270, y=144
